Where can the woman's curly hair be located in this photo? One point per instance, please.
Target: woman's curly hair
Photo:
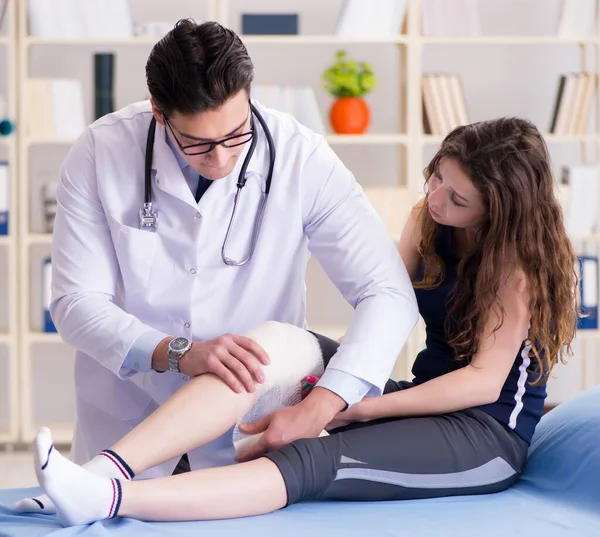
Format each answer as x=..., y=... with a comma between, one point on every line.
x=508, y=161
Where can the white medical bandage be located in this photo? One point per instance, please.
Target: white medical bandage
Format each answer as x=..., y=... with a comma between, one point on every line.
x=294, y=353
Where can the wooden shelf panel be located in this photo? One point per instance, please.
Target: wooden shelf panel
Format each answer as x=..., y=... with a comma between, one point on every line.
x=506, y=40
x=321, y=39
x=256, y=39
x=555, y=138
x=37, y=41
x=333, y=39
x=44, y=337
x=47, y=140
x=5, y=338
x=39, y=238
x=366, y=139
x=8, y=437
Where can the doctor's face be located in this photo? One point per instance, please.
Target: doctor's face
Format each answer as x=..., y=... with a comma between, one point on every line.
x=192, y=136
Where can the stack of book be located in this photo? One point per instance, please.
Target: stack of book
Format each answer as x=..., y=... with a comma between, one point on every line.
x=444, y=106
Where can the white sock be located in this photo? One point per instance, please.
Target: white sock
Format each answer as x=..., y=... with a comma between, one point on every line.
x=80, y=497
x=106, y=464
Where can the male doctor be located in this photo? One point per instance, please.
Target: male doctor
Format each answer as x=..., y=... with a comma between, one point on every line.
x=151, y=301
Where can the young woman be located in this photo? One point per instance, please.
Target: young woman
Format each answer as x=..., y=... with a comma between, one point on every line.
x=494, y=275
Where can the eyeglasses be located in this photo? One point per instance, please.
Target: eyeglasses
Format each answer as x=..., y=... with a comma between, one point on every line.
x=207, y=147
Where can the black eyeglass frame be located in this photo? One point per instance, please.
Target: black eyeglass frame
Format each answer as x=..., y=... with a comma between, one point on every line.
x=211, y=145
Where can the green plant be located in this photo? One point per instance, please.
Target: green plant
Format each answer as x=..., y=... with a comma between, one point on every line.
x=348, y=78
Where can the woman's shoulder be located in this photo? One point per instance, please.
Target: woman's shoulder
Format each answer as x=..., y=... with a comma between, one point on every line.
x=513, y=282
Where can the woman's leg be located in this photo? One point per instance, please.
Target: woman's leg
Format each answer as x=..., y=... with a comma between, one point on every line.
x=186, y=420
x=461, y=453
x=246, y=489
x=81, y=497
x=455, y=454
x=204, y=409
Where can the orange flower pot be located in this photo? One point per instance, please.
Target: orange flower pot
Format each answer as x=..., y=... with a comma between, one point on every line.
x=349, y=115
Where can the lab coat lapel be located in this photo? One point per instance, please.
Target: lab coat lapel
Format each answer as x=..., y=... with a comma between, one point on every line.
x=168, y=175
x=227, y=187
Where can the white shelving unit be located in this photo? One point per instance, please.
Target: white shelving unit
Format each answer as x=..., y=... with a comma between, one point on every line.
x=42, y=353
x=9, y=355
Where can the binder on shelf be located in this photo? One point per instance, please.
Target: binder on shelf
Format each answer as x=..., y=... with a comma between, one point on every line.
x=47, y=294
x=4, y=197
x=588, y=288
x=104, y=68
x=269, y=23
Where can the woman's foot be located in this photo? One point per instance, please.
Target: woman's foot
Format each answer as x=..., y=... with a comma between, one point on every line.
x=79, y=496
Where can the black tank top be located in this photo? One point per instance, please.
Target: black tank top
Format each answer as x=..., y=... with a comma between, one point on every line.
x=520, y=405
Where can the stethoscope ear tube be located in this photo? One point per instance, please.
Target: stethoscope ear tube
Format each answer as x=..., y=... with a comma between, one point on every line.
x=148, y=162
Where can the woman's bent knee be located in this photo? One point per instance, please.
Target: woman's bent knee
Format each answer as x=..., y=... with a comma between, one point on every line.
x=308, y=466
x=294, y=353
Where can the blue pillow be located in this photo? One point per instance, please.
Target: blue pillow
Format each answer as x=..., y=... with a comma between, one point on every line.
x=564, y=457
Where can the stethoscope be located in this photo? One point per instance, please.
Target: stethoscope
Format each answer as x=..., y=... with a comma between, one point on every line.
x=148, y=216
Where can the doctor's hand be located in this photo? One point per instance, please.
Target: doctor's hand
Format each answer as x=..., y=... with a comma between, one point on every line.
x=235, y=359
x=305, y=420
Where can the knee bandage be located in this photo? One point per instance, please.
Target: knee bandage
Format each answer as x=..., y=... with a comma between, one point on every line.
x=294, y=353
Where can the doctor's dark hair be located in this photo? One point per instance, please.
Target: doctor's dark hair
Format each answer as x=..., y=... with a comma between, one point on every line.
x=508, y=162
x=197, y=67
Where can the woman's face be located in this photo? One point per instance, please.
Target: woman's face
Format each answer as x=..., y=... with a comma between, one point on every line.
x=452, y=198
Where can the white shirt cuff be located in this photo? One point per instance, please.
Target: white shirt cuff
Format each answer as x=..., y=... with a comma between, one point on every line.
x=139, y=357
x=350, y=388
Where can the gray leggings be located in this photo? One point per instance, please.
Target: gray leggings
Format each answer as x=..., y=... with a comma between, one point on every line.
x=459, y=453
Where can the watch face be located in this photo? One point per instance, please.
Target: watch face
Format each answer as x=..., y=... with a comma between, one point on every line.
x=179, y=344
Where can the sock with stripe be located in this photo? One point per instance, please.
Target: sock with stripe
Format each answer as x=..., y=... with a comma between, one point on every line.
x=79, y=496
x=106, y=464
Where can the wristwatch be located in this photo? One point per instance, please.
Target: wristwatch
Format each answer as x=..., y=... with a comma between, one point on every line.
x=177, y=348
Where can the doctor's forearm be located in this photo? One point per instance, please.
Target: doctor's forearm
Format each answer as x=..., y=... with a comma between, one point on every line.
x=93, y=324
x=379, y=329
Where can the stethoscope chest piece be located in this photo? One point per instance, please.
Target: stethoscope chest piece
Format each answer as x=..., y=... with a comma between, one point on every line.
x=148, y=217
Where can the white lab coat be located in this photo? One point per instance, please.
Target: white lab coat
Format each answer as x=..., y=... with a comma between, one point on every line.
x=112, y=282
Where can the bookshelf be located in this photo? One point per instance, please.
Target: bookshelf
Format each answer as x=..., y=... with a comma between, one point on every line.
x=9, y=335
x=408, y=145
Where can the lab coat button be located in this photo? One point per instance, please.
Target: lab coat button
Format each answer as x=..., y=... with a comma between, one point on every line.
x=198, y=215
x=186, y=325
x=193, y=271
